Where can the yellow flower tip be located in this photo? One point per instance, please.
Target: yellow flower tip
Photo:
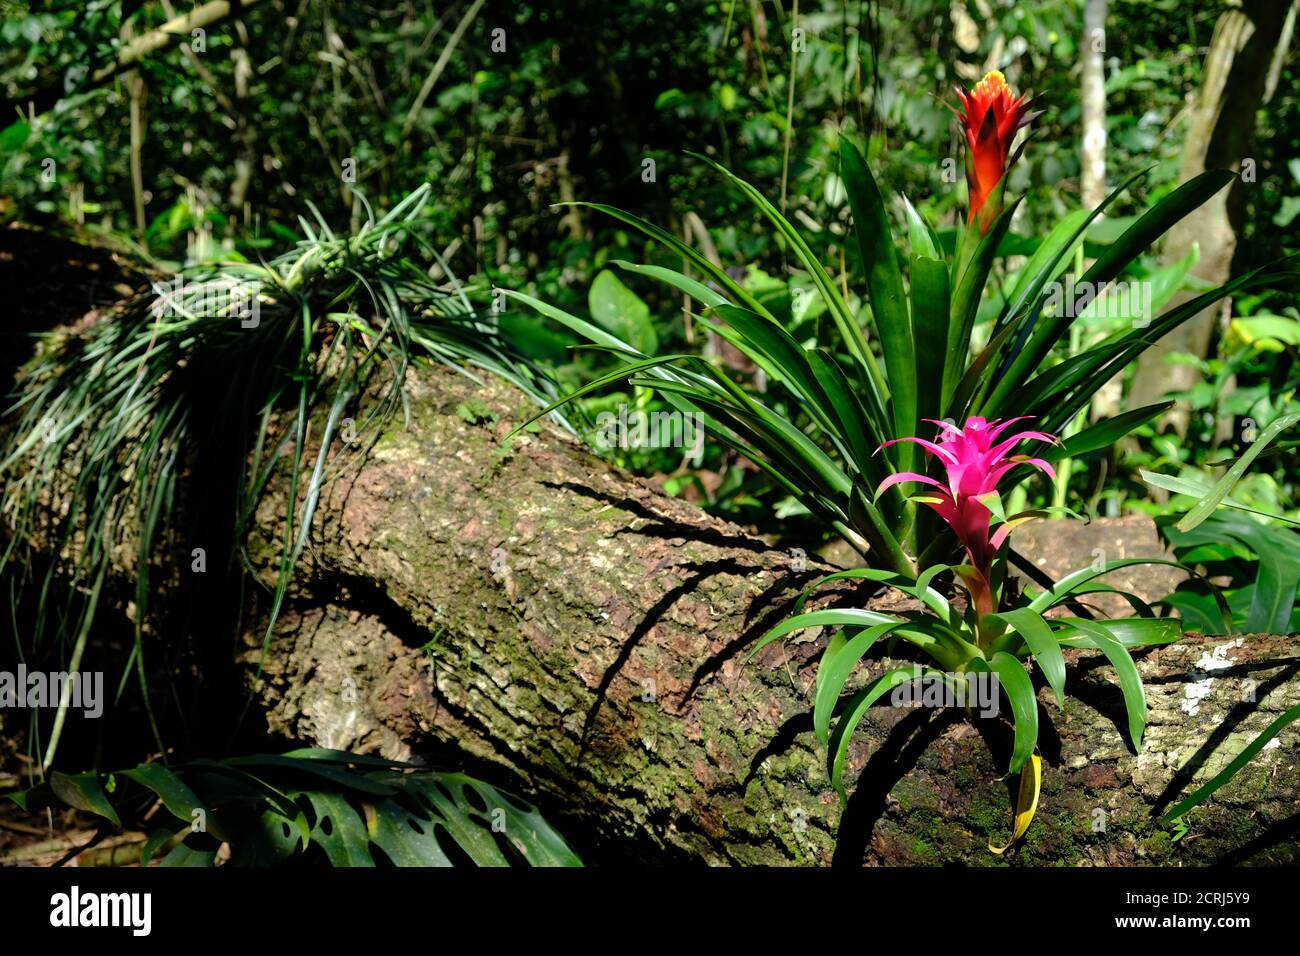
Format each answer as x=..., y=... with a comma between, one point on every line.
x=993, y=82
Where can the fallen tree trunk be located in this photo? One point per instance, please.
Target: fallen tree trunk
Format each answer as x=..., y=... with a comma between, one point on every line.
x=585, y=634
x=579, y=636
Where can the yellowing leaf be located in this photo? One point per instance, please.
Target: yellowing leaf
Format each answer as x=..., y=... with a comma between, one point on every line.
x=1031, y=780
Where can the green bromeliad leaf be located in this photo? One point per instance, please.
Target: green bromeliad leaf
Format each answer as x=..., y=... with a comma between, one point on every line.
x=1130, y=682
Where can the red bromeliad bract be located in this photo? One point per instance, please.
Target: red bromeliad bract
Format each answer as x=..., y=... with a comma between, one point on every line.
x=990, y=116
x=975, y=461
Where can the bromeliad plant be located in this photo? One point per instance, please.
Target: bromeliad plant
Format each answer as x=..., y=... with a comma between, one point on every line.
x=903, y=353
x=246, y=363
x=834, y=424
x=992, y=635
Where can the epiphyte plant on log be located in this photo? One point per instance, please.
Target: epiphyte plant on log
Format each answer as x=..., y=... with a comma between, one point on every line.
x=997, y=630
x=230, y=362
x=826, y=426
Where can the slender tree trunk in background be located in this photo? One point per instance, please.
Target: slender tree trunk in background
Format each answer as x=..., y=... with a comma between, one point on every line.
x=1242, y=50
x=1092, y=173
x=135, y=90
x=1092, y=185
x=1279, y=55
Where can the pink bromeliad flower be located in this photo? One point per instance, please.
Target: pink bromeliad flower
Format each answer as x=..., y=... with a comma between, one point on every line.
x=975, y=461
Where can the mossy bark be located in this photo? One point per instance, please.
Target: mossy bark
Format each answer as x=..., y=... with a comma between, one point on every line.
x=585, y=635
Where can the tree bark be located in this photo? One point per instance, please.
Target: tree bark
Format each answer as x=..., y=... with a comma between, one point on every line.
x=1244, y=45
x=585, y=636
x=1093, y=96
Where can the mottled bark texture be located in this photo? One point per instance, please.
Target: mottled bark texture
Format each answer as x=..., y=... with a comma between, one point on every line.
x=585, y=635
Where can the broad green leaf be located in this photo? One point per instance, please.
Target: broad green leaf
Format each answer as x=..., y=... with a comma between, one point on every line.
x=192, y=852
x=834, y=669
x=271, y=840
x=488, y=815
x=14, y=136
x=1278, y=576
x=930, y=317
x=1268, y=333
x=1199, y=612
x=179, y=799
x=1037, y=635
x=1130, y=682
x=851, y=716
x=84, y=792
x=885, y=290
x=407, y=838
x=157, y=839
x=313, y=768
x=340, y=830
x=1131, y=632
x=620, y=311
x=1024, y=705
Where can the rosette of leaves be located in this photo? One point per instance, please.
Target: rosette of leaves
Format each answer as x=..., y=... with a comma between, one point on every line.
x=900, y=350
x=205, y=388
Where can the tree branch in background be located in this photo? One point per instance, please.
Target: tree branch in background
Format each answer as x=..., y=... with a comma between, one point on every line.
x=436, y=73
x=178, y=29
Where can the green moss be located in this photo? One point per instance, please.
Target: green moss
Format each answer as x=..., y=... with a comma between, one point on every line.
x=924, y=850
x=987, y=814
x=965, y=777
x=914, y=794
x=475, y=411
x=1157, y=847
